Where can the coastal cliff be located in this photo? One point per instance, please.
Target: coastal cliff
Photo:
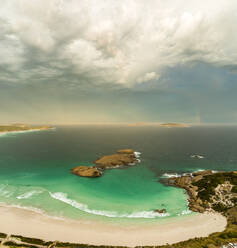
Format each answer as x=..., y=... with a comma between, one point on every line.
x=122, y=158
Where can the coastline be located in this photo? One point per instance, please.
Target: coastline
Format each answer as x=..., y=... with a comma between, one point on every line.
x=32, y=224
x=24, y=131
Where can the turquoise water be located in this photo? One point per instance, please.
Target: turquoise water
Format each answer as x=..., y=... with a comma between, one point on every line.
x=35, y=170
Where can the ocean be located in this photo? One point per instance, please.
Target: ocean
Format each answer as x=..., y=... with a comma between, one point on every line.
x=35, y=170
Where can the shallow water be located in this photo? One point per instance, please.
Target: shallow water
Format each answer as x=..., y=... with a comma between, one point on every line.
x=35, y=169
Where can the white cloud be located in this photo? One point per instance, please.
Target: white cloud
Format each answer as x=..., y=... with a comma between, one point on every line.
x=124, y=42
x=148, y=77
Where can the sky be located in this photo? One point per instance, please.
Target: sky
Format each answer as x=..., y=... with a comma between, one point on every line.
x=109, y=61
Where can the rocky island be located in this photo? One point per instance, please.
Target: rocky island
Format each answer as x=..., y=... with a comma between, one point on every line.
x=170, y=124
x=122, y=158
x=21, y=128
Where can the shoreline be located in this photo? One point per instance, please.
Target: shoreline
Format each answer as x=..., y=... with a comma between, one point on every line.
x=32, y=224
x=24, y=131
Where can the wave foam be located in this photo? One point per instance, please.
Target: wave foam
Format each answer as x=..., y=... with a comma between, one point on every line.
x=32, y=209
x=197, y=156
x=3, y=133
x=137, y=154
x=112, y=214
x=25, y=131
x=184, y=212
x=28, y=194
x=4, y=192
x=169, y=175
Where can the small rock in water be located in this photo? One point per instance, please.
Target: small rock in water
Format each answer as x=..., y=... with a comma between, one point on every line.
x=160, y=211
x=197, y=156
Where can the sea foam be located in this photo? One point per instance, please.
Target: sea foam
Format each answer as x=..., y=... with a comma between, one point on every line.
x=83, y=207
x=25, y=131
x=28, y=194
x=137, y=154
x=4, y=192
x=169, y=175
x=184, y=212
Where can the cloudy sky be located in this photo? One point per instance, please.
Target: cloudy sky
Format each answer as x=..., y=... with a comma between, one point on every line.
x=75, y=61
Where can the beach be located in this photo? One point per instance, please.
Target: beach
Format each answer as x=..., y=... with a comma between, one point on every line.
x=32, y=224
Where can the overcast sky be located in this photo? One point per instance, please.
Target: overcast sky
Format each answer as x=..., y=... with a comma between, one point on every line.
x=73, y=61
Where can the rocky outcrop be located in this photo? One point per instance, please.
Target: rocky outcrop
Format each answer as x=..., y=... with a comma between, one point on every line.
x=122, y=158
x=160, y=211
x=86, y=171
x=183, y=181
x=125, y=151
x=202, y=173
x=116, y=160
x=208, y=190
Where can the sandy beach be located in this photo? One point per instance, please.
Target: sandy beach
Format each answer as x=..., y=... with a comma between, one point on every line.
x=28, y=223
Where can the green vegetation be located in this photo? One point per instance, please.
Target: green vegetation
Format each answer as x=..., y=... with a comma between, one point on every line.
x=234, y=189
x=71, y=245
x=219, y=207
x=13, y=245
x=31, y=240
x=206, y=186
x=3, y=235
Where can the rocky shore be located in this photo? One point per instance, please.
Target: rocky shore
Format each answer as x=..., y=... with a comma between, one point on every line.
x=208, y=190
x=122, y=158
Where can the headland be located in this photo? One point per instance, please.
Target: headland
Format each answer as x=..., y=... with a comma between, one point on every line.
x=22, y=128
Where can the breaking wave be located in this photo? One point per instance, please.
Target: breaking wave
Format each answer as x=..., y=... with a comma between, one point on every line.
x=184, y=212
x=33, y=209
x=28, y=194
x=112, y=214
x=5, y=192
x=169, y=175
x=24, y=131
x=137, y=154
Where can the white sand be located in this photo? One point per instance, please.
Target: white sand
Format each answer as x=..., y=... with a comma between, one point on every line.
x=31, y=224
